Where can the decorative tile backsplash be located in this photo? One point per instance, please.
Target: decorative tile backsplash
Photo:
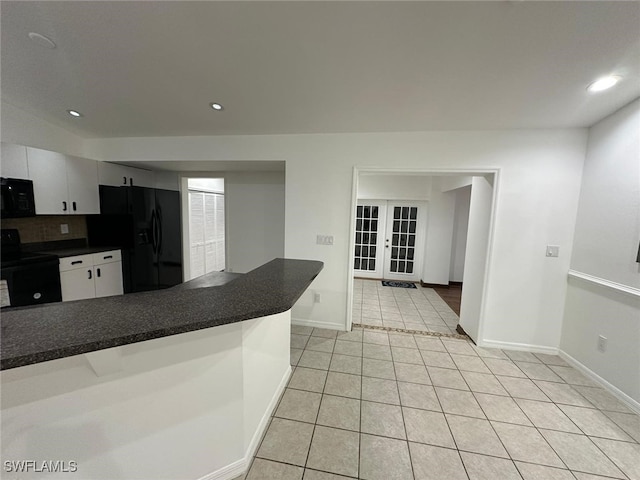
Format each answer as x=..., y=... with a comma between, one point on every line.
x=46, y=228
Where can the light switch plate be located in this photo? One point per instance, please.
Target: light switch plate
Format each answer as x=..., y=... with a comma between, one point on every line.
x=553, y=250
x=64, y=228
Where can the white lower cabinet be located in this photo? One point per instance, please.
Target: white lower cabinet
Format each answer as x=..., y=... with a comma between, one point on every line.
x=91, y=276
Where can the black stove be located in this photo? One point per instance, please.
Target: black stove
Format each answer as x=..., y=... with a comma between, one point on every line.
x=31, y=278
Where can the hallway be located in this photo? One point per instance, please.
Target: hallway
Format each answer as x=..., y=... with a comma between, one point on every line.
x=418, y=309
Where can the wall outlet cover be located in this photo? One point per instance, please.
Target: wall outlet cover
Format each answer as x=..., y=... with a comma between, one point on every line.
x=553, y=250
x=602, y=343
x=64, y=228
x=324, y=239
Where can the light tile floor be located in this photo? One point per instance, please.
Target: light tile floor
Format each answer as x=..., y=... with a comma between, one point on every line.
x=419, y=309
x=372, y=404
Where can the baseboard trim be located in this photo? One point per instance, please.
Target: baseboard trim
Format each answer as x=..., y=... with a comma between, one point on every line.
x=233, y=470
x=315, y=323
x=433, y=285
x=240, y=467
x=526, y=347
x=257, y=436
x=615, y=391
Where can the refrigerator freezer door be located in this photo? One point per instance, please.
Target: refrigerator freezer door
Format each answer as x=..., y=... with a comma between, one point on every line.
x=144, y=265
x=169, y=238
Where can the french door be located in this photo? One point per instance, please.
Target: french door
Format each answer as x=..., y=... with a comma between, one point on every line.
x=390, y=239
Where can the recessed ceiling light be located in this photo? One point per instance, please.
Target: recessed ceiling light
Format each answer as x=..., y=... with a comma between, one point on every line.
x=73, y=113
x=42, y=40
x=216, y=106
x=603, y=83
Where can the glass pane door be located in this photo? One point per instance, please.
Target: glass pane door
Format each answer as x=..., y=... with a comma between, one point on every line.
x=404, y=240
x=369, y=245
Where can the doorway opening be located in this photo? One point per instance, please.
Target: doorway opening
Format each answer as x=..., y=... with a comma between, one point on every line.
x=205, y=226
x=430, y=229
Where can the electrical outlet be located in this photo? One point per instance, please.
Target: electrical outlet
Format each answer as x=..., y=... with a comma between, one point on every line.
x=64, y=228
x=602, y=343
x=316, y=298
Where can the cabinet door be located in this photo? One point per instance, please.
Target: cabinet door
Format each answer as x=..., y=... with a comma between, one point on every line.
x=14, y=161
x=82, y=178
x=48, y=172
x=120, y=175
x=108, y=278
x=139, y=177
x=77, y=284
x=112, y=174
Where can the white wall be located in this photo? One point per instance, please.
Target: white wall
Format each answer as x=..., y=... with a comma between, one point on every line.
x=394, y=187
x=460, y=227
x=606, y=244
x=479, y=232
x=255, y=219
x=437, y=259
x=538, y=191
x=22, y=128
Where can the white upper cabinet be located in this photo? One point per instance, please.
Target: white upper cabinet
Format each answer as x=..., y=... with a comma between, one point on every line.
x=167, y=180
x=82, y=178
x=13, y=162
x=121, y=175
x=63, y=184
x=48, y=171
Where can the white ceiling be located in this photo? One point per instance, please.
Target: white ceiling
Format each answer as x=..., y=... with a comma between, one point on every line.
x=151, y=68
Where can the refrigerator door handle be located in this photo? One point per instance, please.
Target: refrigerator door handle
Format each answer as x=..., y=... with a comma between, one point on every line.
x=159, y=235
x=153, y=231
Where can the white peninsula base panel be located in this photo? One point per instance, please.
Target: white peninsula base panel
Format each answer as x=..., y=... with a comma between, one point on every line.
x=189, y=406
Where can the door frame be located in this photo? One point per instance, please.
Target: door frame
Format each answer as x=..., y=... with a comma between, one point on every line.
x=495, y=171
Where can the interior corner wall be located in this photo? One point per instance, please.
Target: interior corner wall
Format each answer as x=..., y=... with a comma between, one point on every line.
x=536, y=205
x=255, y=219
x=437, y=258
x=605, y=246
x=460, y=228
x=22, y=128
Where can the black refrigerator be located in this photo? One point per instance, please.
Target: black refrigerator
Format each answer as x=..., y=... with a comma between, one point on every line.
x=145, y=224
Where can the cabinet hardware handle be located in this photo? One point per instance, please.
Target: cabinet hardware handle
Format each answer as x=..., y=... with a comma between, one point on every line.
x=108, y=256
x=64, y=206
x=124, y=180
x=74, y=206
x=131, y=181
x=89, y=274
x=76, y=262
x=98, y=272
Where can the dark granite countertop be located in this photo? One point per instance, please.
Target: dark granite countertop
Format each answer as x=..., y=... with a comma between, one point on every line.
x=57, y=330
x=212, y=279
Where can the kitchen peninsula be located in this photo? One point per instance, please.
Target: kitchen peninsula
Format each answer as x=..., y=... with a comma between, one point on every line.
x=177, y=383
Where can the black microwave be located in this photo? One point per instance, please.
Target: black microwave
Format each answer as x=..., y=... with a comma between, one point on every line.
x=17, y=198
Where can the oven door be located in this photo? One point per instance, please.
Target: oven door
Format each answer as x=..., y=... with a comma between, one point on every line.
x=33, y=283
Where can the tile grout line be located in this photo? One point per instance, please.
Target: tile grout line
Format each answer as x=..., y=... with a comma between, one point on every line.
x=630, y=441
